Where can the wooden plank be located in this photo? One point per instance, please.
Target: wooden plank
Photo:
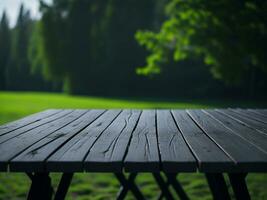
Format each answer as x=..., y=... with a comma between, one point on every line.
x=24, y=141
x=258, y=112
x=210, y=157
x=6, y=128
x=32, y=126
x=143, y=154
x=262, y=111
x=251, y=135
x=108, y=152
x=33, y=158
x=247, y=157
x=245, y=120
x=174, y=152
x=70, y=156
x=250, y=115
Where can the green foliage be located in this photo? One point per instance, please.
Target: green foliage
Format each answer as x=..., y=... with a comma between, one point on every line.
x=89, y=47
x=18, y=74
x=5, y=45
x=22, y=34
x=52, y=48
x=66, y=36
x=229, y=36
x=34, y=50
x=81, y=41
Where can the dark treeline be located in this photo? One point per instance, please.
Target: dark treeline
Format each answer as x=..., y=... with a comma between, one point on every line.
x=89, y=47
x=15, y=66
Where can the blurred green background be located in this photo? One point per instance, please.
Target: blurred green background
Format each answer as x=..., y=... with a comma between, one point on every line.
x=129, y=48
x=131, y=54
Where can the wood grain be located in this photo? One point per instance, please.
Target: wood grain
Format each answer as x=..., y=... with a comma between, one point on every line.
x=143, y=153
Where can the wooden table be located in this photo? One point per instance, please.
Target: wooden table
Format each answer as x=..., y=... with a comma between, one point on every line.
x=217, y=141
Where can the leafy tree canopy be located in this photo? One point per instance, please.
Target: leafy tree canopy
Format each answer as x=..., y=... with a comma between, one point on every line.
x=230, y=37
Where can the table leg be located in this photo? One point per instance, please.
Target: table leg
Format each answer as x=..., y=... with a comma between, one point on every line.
x=41, y=187
x=123, y=190
x=128, y=184
x=63, y=186
x=176, y=185
x=239, y=186
x=163, y=186
x=161, y=195
x=30, y=175
x=217, y=186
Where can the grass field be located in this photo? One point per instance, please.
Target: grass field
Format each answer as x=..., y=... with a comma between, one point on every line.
x=14, y=105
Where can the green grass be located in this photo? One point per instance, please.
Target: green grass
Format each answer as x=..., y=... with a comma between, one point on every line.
x=14, y=105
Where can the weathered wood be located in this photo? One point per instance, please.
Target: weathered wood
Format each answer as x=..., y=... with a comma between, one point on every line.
x=262, y=111
x=258, y=139
x=26, y=120
x=245, y=120
x=258, y=112
x=15, y=146
x=32, y=126
x=210, y=156
x=174, y=152
x=70, y=156
x=251, y=115
x=246, y=155
x=33, y=158
x=108, y=152
x=211, y=141
x=143, y=154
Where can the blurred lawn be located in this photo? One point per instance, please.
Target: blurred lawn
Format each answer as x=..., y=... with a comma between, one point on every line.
x=14, y=105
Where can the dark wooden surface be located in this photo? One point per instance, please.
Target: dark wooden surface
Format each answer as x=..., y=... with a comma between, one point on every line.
x=211, y=140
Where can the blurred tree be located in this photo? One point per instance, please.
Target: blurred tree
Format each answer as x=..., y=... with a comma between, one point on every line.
x=86, y=29
x=38, y=81
x=230, y=37
x=34, y=53
x=21, y=38
x=5, y=45
x=123, y=53
x=18, y=73
x=90, y=44
x=65, y=42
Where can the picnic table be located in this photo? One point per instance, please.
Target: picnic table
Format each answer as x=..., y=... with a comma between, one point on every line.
x=161, y=142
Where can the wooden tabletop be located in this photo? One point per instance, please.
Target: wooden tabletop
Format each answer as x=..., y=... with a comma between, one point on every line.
x=217, y=140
